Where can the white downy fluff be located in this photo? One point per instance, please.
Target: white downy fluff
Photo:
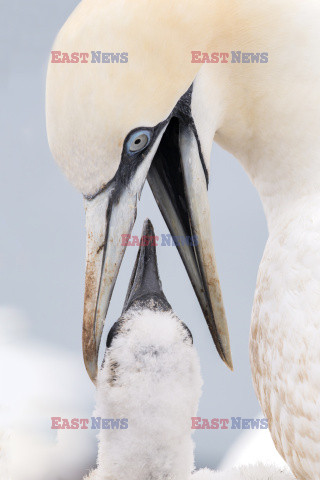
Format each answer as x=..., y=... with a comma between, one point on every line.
x=39, y=381
x=151, y=376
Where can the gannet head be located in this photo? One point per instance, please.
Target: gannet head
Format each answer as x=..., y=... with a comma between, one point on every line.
x=150, y=380
x=111, y=126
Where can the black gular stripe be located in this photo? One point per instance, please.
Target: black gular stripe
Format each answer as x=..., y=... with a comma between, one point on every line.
x=182, y=110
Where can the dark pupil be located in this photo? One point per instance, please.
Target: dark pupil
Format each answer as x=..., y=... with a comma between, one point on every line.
x=137, y=141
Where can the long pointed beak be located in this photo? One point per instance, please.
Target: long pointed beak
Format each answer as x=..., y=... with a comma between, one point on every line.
x=178, y=182
x=177, y=179
x=110, y=217
x=145, y=283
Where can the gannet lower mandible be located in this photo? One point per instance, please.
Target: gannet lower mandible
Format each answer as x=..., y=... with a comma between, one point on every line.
x=112, y=125
x=150, y=382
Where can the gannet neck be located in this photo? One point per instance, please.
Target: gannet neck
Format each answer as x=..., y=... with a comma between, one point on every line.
x=287, y=198
x=266, y=115
x=286, y=174
x=151, y=377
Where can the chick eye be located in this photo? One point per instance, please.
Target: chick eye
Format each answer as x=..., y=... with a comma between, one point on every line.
x=138, y=141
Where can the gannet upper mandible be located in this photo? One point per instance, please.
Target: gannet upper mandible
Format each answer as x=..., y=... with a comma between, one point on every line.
x=150, y=384
x=267, y=115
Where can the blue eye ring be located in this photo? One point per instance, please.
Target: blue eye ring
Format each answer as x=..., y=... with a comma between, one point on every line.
x=138, y=141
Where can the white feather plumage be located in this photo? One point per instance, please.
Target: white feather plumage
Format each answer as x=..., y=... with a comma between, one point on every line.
x=157, y=388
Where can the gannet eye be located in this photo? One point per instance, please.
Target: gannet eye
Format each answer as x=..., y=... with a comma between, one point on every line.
x=138, y=141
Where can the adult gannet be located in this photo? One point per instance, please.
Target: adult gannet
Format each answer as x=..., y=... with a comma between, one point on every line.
x=108, y=123
x=151, y=378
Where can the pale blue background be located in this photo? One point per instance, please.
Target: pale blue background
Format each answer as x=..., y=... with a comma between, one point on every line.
x=42, y=242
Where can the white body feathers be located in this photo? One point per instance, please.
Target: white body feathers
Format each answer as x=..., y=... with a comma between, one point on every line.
x=285, y=337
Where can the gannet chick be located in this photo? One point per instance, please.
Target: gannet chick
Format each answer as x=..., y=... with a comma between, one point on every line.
x=150, y=382
x=151, y=377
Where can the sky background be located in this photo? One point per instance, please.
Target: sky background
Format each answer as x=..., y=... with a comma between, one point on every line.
x=42, y=242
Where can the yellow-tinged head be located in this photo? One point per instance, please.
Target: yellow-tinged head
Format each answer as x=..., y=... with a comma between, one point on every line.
x=92, y=107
